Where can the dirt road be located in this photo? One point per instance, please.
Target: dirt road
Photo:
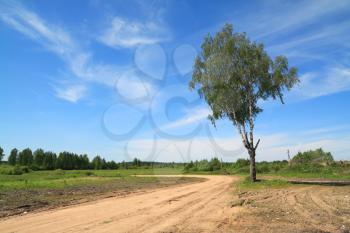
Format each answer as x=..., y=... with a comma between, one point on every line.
x=199, y=207
x=210, y=206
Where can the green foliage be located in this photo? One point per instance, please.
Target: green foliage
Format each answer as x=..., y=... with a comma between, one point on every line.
x=13, y=157
x=39, y=155
x=335, y=170
x=317, y=156
x=1, y=154
x=232, y=74
x=89, y=173
x=46, y=160
x=275, y=166
x=58, y=179
x=13, y=170
x=136, y=162
x=97, y=162
x=50, y=160
x=25, y=157
x=246, y=184
x=240, y=163
x=204, y=165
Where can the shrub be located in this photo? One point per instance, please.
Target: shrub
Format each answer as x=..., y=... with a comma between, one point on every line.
x=214, y=164
x=89, y=173
x=317, y=156
x=17, y=170
x=240, y=163
x=14, y=170
x=263, y=167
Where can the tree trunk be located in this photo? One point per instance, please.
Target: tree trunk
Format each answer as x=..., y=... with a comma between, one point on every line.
x=252, y=165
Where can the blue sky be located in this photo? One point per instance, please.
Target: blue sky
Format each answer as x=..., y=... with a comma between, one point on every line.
x=111, y=78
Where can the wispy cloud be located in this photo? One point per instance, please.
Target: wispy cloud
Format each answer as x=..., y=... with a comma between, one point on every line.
x=329, y=81
x=276, y=17
x=312, y=44
x=192, y=116
x=311, y=34
x=132, y=88
x=59, y=41
x=123, y=33
x=71, y=93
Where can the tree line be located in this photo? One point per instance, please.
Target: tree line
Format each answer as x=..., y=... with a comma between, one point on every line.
x=47, y=160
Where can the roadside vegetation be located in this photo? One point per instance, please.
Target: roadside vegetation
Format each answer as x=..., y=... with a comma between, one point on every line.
x=309, y=164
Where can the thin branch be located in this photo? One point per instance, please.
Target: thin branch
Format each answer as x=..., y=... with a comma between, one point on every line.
x=256, y=146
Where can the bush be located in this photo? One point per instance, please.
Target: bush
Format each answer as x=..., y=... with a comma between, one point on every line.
x=317, y=156
x=17, y=170
x=240, y=163
x=89, y=173
x=14, y=170
x=263, y=167
x=6, y=170
x=34, y=167
x=215, y=164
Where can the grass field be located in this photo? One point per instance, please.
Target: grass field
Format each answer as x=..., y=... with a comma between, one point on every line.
x=68, y=178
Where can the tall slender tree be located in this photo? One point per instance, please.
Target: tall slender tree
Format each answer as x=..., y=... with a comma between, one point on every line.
x=25, y=157
x=233, y=74
x=13, y=157
x=1, y=154
x=39, y=155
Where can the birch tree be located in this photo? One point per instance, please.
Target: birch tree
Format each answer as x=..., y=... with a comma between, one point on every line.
x=233, y=74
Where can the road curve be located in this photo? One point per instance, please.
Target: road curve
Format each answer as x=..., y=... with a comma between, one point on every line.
x=198, y=207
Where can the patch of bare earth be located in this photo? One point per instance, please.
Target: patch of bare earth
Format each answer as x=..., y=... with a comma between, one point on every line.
x=23, y=201
x=195, y=207
x=294, y=209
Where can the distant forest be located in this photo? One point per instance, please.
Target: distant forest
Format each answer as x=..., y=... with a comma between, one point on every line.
x=47, y=160
x=312, y=160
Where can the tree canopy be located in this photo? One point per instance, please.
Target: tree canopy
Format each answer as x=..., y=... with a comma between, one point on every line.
x=233, y=74
x=1, y=153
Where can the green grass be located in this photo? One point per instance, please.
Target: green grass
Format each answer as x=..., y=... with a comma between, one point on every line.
x=59, y=179
x=313, y=175
x=245, y=184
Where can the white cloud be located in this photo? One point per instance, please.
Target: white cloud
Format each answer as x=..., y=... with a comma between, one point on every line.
x=184, y=150
x=271, y=147
x=303, y=31
x=131, y=87
x=311, y=44
x=339, y=147
x=71, y=93
x=327, y=130
x=315, y=84
x=123, y=33
x=57, y=40
x=275, y=17
x=192, y=116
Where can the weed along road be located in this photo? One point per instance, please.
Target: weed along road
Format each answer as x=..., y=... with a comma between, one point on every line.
x=196, y=207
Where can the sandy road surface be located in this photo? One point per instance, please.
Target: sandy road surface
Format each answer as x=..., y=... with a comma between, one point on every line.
x=199, y=207
x=299, y=208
